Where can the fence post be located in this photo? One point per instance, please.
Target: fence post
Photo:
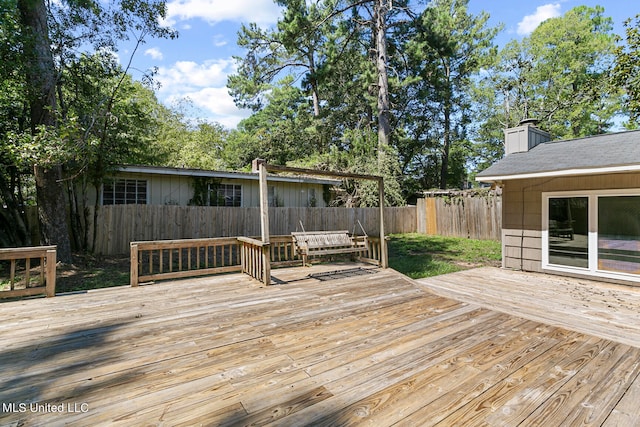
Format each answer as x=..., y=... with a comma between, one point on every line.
x=133, y=259
x=50, y=279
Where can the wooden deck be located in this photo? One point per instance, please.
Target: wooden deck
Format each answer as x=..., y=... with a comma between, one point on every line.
x=596, y=308
x=363, y=347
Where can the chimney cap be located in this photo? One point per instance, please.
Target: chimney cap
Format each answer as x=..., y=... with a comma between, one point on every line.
x=529, y=122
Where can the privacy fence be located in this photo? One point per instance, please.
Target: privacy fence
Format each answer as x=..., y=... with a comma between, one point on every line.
x=476, y=215
x=117, y=226
x=471, y=214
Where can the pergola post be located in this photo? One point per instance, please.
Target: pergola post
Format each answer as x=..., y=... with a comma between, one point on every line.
x=264, y=222
x=384, y=258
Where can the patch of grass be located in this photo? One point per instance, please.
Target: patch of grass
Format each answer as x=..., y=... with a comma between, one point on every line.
x=418, y=255
x=88, y=272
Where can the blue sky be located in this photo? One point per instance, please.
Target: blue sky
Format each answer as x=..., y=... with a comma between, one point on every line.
x=196, y=65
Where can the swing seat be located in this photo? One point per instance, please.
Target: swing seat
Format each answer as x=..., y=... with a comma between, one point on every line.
x=319, y=243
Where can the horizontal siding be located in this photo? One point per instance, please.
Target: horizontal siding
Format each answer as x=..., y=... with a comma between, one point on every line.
x=522, y=249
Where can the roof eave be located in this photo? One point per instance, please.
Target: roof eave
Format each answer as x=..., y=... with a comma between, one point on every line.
x=560, y=173
x=159, y=170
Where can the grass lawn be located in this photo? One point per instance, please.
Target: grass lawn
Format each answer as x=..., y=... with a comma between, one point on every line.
x=418, y=255
x=415, y=255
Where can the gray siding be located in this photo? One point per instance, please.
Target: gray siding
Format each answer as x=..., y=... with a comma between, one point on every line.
x=178, y=190
x=522, y=212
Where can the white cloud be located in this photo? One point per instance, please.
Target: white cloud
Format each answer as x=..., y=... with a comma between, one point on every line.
x=263, y=12
x=205, y=85
x=219, y=40
x=187, y=75
x=219, y=104
x=153, y=52
x=531, y=22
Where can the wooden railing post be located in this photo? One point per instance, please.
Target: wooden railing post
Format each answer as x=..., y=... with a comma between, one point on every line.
x=266, y=264
x=243, y=262
x=50, y=277
x=133, y=271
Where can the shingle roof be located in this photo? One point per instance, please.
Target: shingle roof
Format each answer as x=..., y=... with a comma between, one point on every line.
x=614, y=152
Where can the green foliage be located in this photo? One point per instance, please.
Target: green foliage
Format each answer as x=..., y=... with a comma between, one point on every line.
x=449, y=48
x=296, y=45
x=280, y=132
x=66, y=105
x=626, y=73
x=200, y=146
x=201, y=188
x=559, y=75
x=322, y=112
x=102, y=130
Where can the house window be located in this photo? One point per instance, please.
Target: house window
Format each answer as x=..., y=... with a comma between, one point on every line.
x=125, y=192
x=225, y=195
x=593, y=232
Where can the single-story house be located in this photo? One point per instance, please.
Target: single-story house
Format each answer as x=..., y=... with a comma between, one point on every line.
x=570, y=207
x=154, y=185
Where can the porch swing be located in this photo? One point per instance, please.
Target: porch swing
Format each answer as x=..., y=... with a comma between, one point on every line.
x=318, y=243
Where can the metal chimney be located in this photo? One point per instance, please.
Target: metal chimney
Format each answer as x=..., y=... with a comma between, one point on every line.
x=524, y=137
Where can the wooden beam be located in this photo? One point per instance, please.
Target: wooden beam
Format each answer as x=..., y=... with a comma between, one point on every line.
x=264, y=202
x=276, y=168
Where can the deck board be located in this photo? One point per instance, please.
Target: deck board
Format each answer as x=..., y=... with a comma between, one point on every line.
x=472, y=348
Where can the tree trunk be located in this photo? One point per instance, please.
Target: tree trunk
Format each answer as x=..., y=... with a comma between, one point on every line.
x=314, y=85
x=41, y=81
x=446, y=147
x=384, y=127
x=52, y=209
x=75, y=223
x=446, y=143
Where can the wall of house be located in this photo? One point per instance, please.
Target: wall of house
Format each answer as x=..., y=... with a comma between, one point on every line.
x=178, y=190
x=522, y=212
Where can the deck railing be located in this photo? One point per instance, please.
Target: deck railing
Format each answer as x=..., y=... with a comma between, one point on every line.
x=173, y=259
x=256, y=259
x=374, y=252
x=20, y=275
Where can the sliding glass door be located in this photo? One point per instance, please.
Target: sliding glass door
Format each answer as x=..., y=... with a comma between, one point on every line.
x=595, y=232
x=619, y=234
x=569, y=231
